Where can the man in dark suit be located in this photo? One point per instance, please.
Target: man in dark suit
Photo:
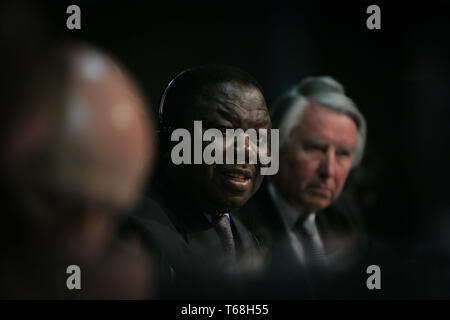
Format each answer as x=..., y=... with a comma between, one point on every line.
x=300, y=217
x=189, y=219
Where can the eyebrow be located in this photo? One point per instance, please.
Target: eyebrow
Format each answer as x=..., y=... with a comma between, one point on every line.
x=321, y=142
x=263, y=120
x=230, y=113
x=347, y=147
x=314, y=141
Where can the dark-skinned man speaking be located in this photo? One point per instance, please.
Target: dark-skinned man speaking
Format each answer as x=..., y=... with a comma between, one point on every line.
x=189, y=218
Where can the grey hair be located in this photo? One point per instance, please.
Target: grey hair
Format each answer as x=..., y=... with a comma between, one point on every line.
x=325, y=91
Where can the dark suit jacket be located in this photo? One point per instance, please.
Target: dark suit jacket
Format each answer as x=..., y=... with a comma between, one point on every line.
x=339, y=226
x=188, y=250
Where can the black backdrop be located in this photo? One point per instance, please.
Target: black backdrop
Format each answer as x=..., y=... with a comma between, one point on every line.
x=398, y=76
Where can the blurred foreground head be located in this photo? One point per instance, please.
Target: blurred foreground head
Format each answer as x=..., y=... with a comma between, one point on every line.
x=104, y=142
x=98, y=159
x=74, y=156
x=76, y=145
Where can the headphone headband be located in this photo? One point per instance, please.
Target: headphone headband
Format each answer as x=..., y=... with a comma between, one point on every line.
x=164, y=126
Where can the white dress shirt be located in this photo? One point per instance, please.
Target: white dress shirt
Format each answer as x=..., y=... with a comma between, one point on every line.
x=290, y=216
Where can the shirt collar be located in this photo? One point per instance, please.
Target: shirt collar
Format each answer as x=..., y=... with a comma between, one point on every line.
x=288, y=214
x=210, y=217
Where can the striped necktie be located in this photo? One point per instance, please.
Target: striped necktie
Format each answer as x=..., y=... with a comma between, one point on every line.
x=223, y=229
x=309, y=239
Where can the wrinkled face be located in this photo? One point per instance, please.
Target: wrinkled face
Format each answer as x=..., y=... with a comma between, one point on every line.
x=317, y=158
x=230, y=105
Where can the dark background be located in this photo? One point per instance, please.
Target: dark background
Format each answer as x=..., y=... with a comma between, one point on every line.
x=398, y=76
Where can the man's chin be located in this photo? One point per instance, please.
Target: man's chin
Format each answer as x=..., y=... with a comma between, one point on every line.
x=316, y=205
x=233, y=202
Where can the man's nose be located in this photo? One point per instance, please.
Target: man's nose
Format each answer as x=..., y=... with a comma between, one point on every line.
x=251, y=148
x=328, y=165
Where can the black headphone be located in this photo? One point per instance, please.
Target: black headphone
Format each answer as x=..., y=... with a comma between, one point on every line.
x=166, y=128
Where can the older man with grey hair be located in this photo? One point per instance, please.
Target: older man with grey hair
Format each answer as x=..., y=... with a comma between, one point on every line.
x=300, y=212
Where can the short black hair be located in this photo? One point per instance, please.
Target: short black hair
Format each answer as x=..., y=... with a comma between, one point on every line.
x=186, y=86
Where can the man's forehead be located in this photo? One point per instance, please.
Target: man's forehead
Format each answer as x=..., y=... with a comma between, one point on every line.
x=315, y=111
x=231, y=96
x=316, y=124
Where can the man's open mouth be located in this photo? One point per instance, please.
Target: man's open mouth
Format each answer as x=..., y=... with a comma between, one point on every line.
x=236, y=178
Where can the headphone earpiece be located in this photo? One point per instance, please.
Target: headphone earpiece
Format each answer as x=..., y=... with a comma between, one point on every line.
x=165, y=128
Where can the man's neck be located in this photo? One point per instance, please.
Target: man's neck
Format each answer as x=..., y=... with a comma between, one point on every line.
x=286, y=199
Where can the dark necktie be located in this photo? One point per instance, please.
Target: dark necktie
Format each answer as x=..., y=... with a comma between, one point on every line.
x=223, y=228
x=314, y=254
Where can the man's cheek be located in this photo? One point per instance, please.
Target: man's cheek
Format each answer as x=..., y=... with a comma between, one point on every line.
x=337, y=191
x=305, y=169
x=256, y=183
x=340, y=179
